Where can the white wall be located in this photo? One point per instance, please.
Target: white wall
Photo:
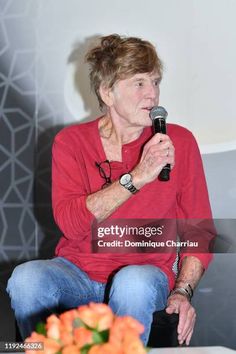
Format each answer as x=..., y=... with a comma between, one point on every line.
x=195, y=38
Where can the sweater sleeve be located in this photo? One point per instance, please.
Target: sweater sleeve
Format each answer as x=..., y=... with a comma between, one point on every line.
x=69, y=190
x=193, y=206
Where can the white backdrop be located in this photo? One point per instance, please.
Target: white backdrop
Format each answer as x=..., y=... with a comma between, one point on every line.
x=195, y=39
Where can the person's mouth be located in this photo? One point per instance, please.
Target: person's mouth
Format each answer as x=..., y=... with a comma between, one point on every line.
x=148, y=109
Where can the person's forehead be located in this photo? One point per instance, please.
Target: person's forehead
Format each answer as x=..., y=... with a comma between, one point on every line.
x=152, y=75
x=129, y=80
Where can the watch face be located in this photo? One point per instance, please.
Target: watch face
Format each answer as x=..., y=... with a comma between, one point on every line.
x=125, y=179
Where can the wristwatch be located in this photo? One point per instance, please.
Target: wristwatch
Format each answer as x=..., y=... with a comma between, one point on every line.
x=126, y=181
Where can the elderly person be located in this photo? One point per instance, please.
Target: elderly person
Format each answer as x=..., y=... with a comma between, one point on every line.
x=118, y=151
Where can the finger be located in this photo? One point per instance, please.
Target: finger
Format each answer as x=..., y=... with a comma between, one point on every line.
x=188, y=325
x=161, y=153
x=156, y=140
x=155, y=145
x=157, y=155
x=167, y=149
x=172, y=307
x=182, y=320
x=183, y=338
x=190, y=328
x=164, y=160
x=164, y=150
x=189, y=337
x=160, y=159
x=171, y=150
x=161, y=137
x=165, y=145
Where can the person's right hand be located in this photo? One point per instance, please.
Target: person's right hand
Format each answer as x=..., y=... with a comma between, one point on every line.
x=157, y=152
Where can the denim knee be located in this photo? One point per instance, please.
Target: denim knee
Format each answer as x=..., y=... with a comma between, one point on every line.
x=140, y=277
x=28, y=280
x=138, y=291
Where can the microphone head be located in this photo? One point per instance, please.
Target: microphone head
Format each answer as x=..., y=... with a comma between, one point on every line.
x=158, y=112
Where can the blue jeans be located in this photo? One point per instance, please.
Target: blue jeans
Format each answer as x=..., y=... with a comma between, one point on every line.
x=41, y=287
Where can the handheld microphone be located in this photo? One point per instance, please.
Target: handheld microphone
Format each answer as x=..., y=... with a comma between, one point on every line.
x=158, y=116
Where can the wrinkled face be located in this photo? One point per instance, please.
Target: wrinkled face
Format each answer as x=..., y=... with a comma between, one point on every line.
x=132, y=99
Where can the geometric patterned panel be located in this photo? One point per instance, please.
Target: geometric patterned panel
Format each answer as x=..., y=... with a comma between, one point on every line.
x=17, y=134
x=26, y=135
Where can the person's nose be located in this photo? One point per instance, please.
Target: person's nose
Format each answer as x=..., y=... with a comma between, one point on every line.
x=152, y=91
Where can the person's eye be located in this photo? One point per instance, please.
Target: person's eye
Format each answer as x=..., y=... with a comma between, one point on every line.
x=139, y=84
x=156, y=83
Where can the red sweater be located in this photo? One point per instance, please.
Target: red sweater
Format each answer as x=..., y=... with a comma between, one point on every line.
x=75, y=175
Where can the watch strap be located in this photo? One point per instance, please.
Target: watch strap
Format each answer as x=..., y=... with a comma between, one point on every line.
x=132, y=189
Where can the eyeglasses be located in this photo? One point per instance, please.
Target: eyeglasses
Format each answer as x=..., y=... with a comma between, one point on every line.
x=104, y=168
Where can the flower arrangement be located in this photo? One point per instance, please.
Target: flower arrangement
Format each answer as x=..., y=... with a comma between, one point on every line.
x=90, y=329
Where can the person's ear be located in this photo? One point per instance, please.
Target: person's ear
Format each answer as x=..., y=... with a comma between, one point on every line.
x=106, y=95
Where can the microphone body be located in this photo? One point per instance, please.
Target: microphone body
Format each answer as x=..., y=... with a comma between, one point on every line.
x=158, y=116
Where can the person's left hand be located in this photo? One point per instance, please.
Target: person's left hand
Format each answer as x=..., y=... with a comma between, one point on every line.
x=178, y=303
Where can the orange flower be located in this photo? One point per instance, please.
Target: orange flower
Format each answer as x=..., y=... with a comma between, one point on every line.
x=96, y=349
x=68, y=333
x=132, y=344
x=50, y=346
x=116, y=331
x=106, y=348
x=71, y=349
x=66, y=338
x=35, y=337
x=53, y=327
x=97, y=316
x=132, y=323
x=67, y=319
x=134, y=347
x=124, y=326
x=83, y=336
x=105, y=315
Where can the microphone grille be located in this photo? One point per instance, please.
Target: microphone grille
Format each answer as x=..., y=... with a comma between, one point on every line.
x=158, y=112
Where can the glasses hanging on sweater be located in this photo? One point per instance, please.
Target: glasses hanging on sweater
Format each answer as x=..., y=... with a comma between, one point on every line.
x=104, y=169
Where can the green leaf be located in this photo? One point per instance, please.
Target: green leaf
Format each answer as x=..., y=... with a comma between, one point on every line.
x=85, y=348
x=78, y=323
x=105, y=335
x=83, y=351
x=41, y=328
x=100, y=337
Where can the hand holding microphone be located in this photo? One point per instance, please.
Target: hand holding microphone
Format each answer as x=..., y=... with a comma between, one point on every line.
x=158, y=153
x=158, y=116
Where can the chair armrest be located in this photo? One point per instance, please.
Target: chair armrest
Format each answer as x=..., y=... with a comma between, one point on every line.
x=164, y=330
